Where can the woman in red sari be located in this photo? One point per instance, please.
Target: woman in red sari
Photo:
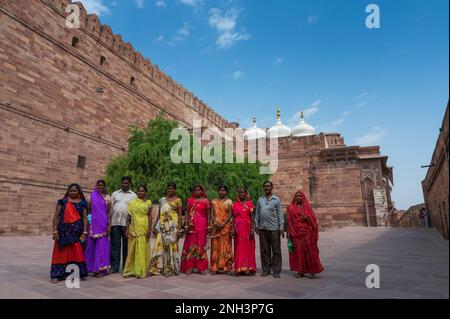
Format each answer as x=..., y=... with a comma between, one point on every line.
x=303, y=232
x=194, y=256
x=69, y=229
x=244, y=237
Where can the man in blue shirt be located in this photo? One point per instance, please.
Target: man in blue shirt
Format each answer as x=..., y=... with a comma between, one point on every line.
x=269, y=223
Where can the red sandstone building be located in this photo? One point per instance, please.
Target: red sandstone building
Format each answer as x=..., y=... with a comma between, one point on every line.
x=435, y=185
x=68, y=97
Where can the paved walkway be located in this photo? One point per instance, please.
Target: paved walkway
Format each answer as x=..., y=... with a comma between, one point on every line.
x=414, y=263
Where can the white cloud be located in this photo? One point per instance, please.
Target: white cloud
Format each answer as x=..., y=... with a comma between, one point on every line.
x=361, y=96
x=372, y=138
x=140, y=3
x=181, y=34
x=330, y=127
x=225, y=23
x=191, y=3
x=316, y=103
x=160, y=38
x=278, y=62
x=238, y=75
x=96, y=6
x=311, y=111
x=161, y=3
x=184, y=30
x=313, y=20
x=308, y=112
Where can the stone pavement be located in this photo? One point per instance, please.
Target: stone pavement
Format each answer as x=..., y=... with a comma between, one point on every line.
x=414, y=263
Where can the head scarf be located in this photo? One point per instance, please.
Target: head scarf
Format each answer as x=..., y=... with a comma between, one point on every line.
x=203, y=194
x=306, y=210
x=99, y=214
x=247, y=197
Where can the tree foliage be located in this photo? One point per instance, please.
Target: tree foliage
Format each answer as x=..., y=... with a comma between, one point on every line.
x=148, y=162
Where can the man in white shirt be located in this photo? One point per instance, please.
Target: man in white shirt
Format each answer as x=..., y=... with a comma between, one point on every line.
x=119, y=216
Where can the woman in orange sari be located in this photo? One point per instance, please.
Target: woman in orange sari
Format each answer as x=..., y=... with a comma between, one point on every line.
x=221, y=246
x=303, y=232
x=244, y=236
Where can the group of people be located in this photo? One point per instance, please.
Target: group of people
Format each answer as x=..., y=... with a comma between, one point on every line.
x=108, y=232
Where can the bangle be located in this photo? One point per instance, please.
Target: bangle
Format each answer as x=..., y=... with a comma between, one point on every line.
x=55, y=232
x=85, y=232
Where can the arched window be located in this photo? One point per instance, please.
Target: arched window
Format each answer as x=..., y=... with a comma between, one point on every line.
x=132, y=81
x=102, y=60
x=75, y=42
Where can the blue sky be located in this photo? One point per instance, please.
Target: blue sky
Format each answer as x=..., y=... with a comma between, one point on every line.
x=386, y=86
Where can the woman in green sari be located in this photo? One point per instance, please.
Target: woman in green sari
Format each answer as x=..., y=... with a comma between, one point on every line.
x=138, y=232
x=165, y=259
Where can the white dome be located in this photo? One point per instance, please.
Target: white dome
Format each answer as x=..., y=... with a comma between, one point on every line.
x=255, y=133
x=279, y=130
x=303, y=128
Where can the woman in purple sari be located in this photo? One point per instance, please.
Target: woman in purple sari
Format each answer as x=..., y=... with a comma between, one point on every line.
x=97, y=243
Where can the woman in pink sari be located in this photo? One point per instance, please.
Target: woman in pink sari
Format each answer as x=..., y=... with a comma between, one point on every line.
x=244, y=237
x=303, y=232
x=194, y=256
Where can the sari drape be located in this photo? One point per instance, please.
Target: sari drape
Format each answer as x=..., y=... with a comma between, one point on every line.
x=303, y=231
x=97, y=252
x=221, y=244
x=68, y=250
x=194, y=255
x=244, y=243
x=165, y=252
x=138, y=259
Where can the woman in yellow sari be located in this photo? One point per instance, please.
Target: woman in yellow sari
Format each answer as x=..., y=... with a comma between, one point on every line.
x=165, y=259
x=138, y=233
x=221, y=245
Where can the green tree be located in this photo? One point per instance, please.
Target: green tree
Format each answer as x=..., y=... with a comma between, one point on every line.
x=148, y=162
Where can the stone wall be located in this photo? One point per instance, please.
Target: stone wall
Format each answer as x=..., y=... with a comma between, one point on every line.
x=435, y=185
x=67, y=100
x=332, y=175
x=69, y=96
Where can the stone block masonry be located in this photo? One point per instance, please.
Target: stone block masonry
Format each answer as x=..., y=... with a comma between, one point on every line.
x=68, y=97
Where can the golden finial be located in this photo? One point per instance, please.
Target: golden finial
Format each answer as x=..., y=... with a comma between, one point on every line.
x=278, y=113
x=254, y=120
x=302, y=115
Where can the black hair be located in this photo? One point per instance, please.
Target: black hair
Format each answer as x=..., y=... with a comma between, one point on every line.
x=78, y=188
x=243, y=188
x=222, y=186
x=103, y=182
x=172, y=184
x=142, y=186
x=126, y=178
x=268, y=182
x=198, y=186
